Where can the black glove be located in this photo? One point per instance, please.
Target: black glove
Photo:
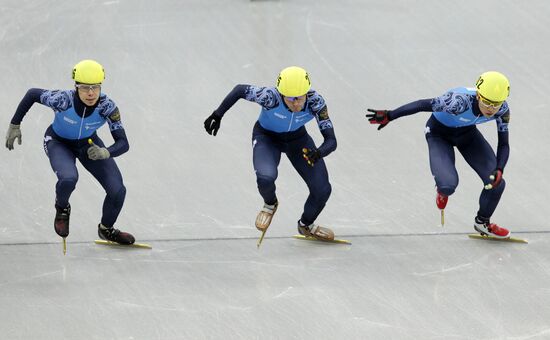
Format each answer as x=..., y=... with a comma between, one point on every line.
x=212, y=124
x=311, y=155
x=378, y=117
x=496, y=178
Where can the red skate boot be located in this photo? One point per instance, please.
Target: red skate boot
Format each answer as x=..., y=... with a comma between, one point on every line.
x=441, y=203
x=484, y=227
x=441, y=200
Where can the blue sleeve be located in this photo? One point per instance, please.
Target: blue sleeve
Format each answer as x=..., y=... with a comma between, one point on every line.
x=422, y=105
x=32, y=96
x=120, y=145
x=238, y=92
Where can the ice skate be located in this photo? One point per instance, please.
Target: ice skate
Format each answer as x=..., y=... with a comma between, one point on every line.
x=114, y=235
x=61, y=222
x=441, y=200
x=318, y=232
x=484, y=227
x=263, y=220
x=441, y=203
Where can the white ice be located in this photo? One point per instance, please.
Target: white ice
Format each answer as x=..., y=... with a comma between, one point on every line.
x=193, y=197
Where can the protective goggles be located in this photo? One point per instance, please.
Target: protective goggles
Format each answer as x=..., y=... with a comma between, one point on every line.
x=88, y=88
x=295, y=98
x=489, y=104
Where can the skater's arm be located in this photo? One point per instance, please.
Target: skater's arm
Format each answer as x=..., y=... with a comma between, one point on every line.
x=32, y=96
x=327, y=130
x=503, y=150
x=238, y=92
x=422, y=105
x=329, y=144
x=121, y=144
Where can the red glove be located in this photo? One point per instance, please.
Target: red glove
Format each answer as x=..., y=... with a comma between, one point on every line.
x=496, y=178
x=378, y=117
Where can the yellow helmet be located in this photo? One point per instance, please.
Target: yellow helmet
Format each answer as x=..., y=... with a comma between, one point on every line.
x=493, y=86
x=88, y=72
x=293, y=81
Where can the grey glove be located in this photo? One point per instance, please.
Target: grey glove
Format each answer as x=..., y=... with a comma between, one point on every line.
x=13, y=132
x=97, y=153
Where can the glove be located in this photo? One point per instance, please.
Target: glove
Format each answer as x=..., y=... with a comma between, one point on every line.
x=496, y=178
x=311, y=155
x=96, y=152
x=13, y=132
x=378, y=117
x=212, y=124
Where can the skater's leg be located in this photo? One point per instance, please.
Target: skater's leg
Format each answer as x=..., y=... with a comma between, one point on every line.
x=481, y=157
x=316, y=178
x=442, y=164
x=108, y=175
x=266, y=156
x=62, y=161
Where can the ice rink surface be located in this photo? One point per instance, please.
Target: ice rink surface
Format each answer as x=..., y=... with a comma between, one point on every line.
x=193, y=197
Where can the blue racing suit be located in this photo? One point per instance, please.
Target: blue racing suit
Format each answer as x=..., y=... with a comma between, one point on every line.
x=66, y=139
x=453, y=124
x=279, y=130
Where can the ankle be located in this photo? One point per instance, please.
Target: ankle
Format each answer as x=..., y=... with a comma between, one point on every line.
x=482, y=220
x=62, y=209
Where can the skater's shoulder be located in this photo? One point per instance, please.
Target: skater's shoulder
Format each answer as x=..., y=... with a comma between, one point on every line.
x=57, y=99
x=106, y=105
x=315, y=100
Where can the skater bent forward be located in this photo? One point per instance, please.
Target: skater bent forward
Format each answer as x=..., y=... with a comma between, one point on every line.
x=286, y=108
x=453, y=124
x=72, y=135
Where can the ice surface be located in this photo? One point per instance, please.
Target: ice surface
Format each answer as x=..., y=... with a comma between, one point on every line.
x=193, y=197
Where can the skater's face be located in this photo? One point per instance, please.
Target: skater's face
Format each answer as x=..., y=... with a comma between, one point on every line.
x=88, y=93
x=295, y=104
x=487, y=107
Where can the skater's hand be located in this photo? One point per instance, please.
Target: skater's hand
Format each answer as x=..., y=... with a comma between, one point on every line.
x=96, y=153
x=311, y=155
x=14, y=132
x=212, y=124
x=496, y=178
x=378, y=117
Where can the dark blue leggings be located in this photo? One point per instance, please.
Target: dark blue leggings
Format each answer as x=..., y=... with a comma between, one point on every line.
x=476, y=151
x=63, y=154
x=267, y=148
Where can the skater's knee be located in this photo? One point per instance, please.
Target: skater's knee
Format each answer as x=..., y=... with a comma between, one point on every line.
x=67, y=183
x=322, y=193
x=118, y=196
x=264, y=180
x=446, y=190
x=501, y=186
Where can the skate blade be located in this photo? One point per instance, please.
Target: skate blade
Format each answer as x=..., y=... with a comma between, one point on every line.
x=311, y=238
x=64, y=246
x=261, y=239
x=492, y=238
x=135, y=245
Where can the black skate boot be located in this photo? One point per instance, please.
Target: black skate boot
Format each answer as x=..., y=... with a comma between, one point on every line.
x=61, y=222
x=114, y=235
